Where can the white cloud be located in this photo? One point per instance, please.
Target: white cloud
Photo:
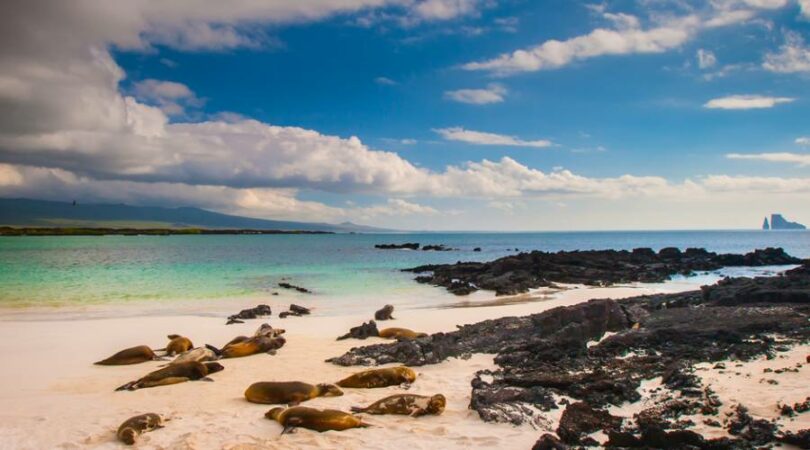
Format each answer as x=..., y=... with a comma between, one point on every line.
x=746, y=102
x=802, y=140
x=493, y=93
x=706, y=59
x=385, y=81
x=394, y=207
x=804, y=5
x=171, y=97
x=626, y=36
x=793, y=56
x=802, y=160
x=484, y=138
x=444, y=9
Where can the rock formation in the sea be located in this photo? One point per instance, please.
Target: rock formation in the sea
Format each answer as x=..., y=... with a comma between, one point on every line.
x=293, y=287
x=780, y=223
x=437, y=248
x=567, y=352
x=252, y=313
x=518, y=273
x=405, y=246
x=766, y=225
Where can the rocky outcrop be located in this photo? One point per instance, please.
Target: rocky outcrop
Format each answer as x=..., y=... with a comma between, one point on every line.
x=543, y=356
x=518, y=273
x=780, y=223
x=251, y=313
x=363, y=331
x=405, y=246
x=295, y=310
x=293, y=287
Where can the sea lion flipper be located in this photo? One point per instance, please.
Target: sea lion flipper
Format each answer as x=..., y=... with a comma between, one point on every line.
x=358, y=409
x=164, y=382
x=126, y=387
x=206, y=379
x=216, y=351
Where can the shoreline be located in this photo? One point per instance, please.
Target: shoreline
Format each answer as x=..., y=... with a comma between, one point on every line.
x=74, y=406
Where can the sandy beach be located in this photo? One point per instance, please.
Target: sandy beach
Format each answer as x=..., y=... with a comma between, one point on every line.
x=56, y=398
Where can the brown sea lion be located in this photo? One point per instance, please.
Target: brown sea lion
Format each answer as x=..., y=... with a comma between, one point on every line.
x=199, y=354
x=250, y=346
x=133, y=427
x=178, y=344
x=289, y=392
x=173, y=374
x=407, y=404
x=384, y=313
x=400, y=333
x=378, y=378
x=314, y=419
x=134, y=355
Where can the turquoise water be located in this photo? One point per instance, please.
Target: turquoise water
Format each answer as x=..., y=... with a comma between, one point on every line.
x=52, y=271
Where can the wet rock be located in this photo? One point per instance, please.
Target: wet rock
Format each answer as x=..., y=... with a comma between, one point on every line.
x=300, y=289
x=756, y=431
x=477, y=249
x=405, y=246
x=361, y=332
x=251, y=313
x=517, y=274
x=437, y=248
x=384, y=313
x=580, y=419
x=800, y=439
x=295, y=310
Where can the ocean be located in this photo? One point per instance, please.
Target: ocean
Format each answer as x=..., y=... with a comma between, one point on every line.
x=345, y=271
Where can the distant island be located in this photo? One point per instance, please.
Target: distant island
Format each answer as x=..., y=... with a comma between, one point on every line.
x=43, y=217
x=780, y=223
x=70, y=231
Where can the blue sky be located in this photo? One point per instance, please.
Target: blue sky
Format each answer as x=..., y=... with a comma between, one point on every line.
x=421, y=114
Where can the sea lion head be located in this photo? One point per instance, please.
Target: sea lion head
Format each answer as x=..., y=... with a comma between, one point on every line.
x=173, y=336
x=407, y=373
x=128, y=435
x=274, y=413
x=329, y=390
x=436, y=404
x=214, y=367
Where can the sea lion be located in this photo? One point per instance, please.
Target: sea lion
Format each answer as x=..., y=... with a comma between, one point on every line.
x=314, y=419
x=250, y=346
x=136, y=426
x=199, y=354
x=173, y=374
x=384, y=313
x=290, y=392
x=400, y=333
x=408, y=404
x=378, y=378
x=178, y=344
x=266, y=330
x=134, y=355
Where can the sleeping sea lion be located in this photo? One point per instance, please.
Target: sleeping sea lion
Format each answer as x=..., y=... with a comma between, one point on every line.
x=250, y=346
x=400, y=333
x=378, y=378
x=136, y=426
x=178, y=344
x=173, y=374
x=266, y=330
x=289, y=392
x=133, y=355
x=199, y=354
x=408, y=404
x=314, y=419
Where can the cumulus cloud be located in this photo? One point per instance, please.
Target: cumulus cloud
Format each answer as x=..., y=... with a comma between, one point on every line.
x=802, y=140
x=746, y=102
x=626, y=36
x=171, y=97
x=800, y=159
x=793, y=56
x=483, y=138
x=444, y=9
x=493, y=93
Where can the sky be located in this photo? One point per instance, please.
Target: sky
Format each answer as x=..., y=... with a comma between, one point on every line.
x=511, y=115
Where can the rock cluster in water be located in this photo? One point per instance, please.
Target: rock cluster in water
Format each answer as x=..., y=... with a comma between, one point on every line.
x=545, y=356
x=519, y=273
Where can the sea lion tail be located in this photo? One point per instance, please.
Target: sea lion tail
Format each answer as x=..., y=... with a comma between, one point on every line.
x=127, y=387
x=358, y=409
x=365, y=425
x=216, y=351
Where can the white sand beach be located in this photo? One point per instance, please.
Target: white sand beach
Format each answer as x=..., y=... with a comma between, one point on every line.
x=54, y=397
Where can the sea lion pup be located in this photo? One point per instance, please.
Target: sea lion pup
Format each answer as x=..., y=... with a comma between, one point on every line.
x=136, y=426
x=199, y=354
x=384, y=313
x=378, y=378
x=400, y=333
x=173, y=374
x=407, y=404
x=314, y=419
x=134, y=355
x=288, y=392
x=178, y=344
